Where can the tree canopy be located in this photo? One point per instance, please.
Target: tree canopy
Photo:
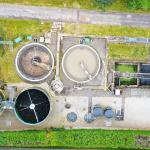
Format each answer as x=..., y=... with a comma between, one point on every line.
x=103, y=3
x=138, y=4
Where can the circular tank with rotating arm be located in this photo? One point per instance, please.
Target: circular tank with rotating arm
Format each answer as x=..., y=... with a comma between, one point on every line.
x=32, y=106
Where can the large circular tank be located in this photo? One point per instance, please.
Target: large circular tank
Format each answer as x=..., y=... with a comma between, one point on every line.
x=32, y=106
x=81, y=63
x=34, y=62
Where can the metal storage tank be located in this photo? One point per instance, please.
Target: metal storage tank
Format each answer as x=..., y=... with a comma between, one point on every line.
x=89, y=117
x=32, y=106
x=72, y=117
x=108, y=112
x=81, y=63
x=34, y=62
x=97, y=111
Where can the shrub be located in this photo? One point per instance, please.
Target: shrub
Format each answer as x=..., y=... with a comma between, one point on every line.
x=138, y=4
x=103, y=3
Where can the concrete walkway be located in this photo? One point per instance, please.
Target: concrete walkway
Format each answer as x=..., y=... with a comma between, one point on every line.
x=72, y=15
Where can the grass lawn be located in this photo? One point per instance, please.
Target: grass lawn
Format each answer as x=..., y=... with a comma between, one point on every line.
x=123, y=68
x=80, y=138
x=119, y=5
x=116, y=51
x=10, y=29
x=128, y=51
x=107, y=30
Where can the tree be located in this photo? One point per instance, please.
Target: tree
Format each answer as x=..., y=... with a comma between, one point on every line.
x=138, y=4
x=103, y=3
x=133, y=4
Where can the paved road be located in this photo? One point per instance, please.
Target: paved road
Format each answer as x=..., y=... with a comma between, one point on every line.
x=72, y=15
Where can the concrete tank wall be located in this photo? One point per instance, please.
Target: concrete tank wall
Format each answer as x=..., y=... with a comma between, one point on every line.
x=33, y=106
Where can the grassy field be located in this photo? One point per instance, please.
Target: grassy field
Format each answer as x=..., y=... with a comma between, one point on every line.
x=123, y=68
x=119, y=5
x=128, y=51
x=106, y=30
x=116, y=51
x=10, y=29
x=60, y=138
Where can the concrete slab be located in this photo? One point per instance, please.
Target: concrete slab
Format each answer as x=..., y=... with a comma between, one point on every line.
x=137, y=112
x=136, y=109
x=99, y=44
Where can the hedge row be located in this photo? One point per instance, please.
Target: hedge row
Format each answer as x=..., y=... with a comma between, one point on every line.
x=92, y=138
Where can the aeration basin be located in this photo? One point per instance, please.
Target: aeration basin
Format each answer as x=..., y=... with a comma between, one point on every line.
x=32, y=106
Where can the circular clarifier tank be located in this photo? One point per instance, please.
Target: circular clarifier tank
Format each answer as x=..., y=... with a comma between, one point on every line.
x=81, y=63
x=32, y=106
x=34, y=62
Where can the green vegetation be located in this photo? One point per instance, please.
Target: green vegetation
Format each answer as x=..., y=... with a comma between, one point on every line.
x=123, y=68
x=106, y=30
x=138, y=4
x=128, y=51
x=126, y=68
x=118, y=5
x=94, y=138
x=102, y=3
x=116, y=51
x=12, y=29
x=125, y=81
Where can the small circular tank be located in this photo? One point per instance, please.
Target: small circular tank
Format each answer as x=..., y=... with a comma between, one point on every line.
x=108, y=113
x=89, y=117
x=97, y=111
x=34, y=62
x=72, y=117
x=32, y=106
x=81, y=63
